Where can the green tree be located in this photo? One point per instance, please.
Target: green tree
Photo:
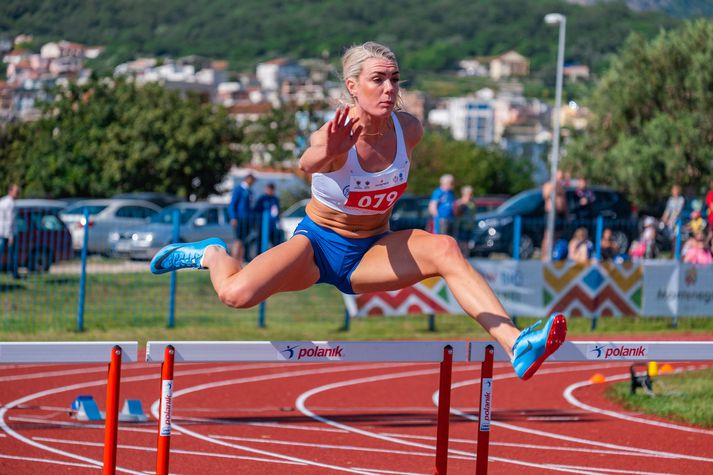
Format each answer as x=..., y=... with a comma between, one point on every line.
x=487, y=171
x=653, y=124
x=113, y=136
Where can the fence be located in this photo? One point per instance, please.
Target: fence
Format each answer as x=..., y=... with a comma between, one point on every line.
x=64, y=290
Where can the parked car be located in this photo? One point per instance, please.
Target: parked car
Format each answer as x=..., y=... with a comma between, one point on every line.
x=42, y=238
x=159, y=199
x=198, y=221
x=494, y=231
x=105, y=217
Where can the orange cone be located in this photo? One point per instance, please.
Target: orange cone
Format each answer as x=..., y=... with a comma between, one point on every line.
x=666, y=368
x=597, y=378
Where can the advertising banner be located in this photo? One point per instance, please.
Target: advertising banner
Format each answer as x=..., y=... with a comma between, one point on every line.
x=518, y=285
x=674, y=289
x=605, y=289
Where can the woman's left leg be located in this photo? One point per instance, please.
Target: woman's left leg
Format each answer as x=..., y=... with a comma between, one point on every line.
x=404, y=258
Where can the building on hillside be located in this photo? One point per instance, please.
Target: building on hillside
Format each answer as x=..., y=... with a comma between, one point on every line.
x=575, y=72
x=248, y=111
x=508, y=64
x=271, y=74
x=468, y=118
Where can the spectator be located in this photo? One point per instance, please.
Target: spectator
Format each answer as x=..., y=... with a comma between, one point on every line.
x=585, y=198
x=8, y=228
x=645, y=247
x=674, y=206
x=269, y=202
x=561, y=211
x=697, y=224
x=464, y=210
x=608, y=246
x=240, y=213
x=695, y=250
x=580, y=247
x=441, y=206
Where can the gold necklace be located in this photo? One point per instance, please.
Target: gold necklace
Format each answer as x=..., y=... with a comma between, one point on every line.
x=380, y=133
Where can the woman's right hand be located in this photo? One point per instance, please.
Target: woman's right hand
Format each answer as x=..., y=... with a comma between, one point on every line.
x=341, y=133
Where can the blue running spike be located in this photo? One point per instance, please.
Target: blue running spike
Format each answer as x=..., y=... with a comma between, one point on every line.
x=183, y=255
x=533, y=346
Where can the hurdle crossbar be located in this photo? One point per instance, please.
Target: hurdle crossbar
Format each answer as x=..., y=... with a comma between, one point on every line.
x=66, y=352
x=443, y=352
x=305, y=351
x=572, y=351
x=69, y=352
x=601, y=350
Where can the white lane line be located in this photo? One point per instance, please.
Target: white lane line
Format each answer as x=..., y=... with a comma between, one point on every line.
x=330, y=447
x=79, y=425
x=266, y=377
x=652, y=453
x=72, y=387
x=378, y=472
x=276, y=425
x=531, y=446
x=55, y=462
x=300, y=404
x=569, y=396
x=173, y=451
x=637, y=472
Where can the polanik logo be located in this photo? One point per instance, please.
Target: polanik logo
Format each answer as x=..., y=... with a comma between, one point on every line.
x=317, y=352
x=617, y=352
x=289, y=351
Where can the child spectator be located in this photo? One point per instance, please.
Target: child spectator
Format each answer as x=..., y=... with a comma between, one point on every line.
x=695, y=250
x=580, y=247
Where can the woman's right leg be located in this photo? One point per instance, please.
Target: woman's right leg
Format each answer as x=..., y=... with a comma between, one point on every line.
x=284, y=268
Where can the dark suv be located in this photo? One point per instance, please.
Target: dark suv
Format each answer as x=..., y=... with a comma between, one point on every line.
x=494, y=231
x=41, y=240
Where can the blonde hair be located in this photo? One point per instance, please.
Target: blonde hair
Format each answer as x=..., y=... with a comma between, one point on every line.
x=353, y=62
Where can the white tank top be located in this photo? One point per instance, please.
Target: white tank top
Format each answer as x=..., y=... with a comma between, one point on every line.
x=354, y=191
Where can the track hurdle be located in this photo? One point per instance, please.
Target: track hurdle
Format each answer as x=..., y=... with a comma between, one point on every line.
x=63, y=352
x=442, y=352
x=573, y=351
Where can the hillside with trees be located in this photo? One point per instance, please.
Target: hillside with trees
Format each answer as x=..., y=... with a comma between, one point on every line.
x=652, y=125
x=428, y=35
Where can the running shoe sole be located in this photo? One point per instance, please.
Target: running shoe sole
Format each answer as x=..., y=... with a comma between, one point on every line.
x=555, y=338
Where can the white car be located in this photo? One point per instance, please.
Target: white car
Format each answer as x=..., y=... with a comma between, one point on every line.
x=105, y=217
x=198, y=221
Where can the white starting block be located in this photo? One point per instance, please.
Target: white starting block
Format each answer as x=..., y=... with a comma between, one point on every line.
x=132, y=411
x=84, y=408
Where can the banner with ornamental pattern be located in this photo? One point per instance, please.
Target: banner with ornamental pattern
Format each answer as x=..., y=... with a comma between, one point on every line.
x=526, y=288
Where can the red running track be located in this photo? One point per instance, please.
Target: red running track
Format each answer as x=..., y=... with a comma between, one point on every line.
x=340, y=418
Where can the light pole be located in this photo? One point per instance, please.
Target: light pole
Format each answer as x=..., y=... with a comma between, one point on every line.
x=552, y=19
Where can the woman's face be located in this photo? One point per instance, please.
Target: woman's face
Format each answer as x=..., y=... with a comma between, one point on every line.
x=377, y=88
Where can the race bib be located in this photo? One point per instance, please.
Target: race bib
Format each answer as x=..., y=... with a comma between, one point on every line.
x=375, y=194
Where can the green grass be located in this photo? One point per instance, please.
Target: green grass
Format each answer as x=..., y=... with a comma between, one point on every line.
x=134, y=306
x=684, y=397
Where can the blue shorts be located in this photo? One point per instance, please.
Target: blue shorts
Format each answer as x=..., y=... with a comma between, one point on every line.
x=336, y=256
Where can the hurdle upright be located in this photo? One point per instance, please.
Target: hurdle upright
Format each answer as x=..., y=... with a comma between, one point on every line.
x=573, y=351
x=443, y=352
x=64, y=352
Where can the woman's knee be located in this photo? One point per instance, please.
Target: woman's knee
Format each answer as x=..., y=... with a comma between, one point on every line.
x=447, y=251
x=238, y=294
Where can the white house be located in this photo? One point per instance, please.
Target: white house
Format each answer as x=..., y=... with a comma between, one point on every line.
x=271, y=74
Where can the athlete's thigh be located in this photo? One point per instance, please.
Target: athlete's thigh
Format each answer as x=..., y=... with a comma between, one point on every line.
x=284, y=268
x=397, y=260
